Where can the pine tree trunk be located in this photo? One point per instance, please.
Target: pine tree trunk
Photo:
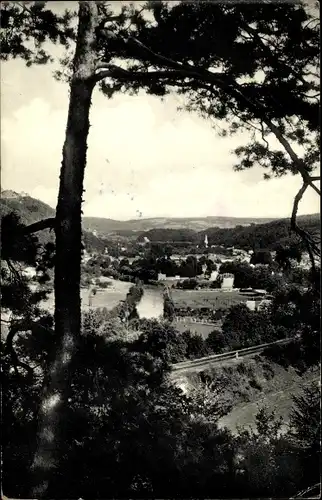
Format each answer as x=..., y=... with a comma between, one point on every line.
x=68, y=250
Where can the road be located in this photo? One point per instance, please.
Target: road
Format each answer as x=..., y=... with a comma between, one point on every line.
x=200, y=364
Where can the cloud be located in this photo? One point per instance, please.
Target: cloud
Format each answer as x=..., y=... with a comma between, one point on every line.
x=143, y=156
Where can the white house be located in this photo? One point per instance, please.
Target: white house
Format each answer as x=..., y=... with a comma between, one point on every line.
x=228, y=281
x=251, y=304
x=213, y=276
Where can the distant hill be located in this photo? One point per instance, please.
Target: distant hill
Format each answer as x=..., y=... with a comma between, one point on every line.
x=268, y=235
x=31, y=210
x=228, y=231
x=130, y=227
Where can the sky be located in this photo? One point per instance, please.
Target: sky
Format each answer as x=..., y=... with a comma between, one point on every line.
x=145, y=159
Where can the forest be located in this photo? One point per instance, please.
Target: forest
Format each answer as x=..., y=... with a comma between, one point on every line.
x=270, y=235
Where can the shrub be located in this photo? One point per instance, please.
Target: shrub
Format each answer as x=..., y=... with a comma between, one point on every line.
x=190, y=284
x=196, y=347
x=253, y=383
x=105, y=284
x=216, y=341
x=241, y=368
x=268, y=372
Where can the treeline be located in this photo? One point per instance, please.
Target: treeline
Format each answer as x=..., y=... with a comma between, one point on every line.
x=126, y=310
x=145, y=269
x=167, y=234
x=268, y=277
x=269, y=235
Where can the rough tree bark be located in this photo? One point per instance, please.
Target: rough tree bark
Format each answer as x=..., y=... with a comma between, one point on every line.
x=68, y=248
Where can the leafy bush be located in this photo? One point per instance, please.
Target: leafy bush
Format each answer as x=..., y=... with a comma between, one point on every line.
x=161, y=341
x=255, y=384
x=216, y=341
x=190, y=284
x=196, y=346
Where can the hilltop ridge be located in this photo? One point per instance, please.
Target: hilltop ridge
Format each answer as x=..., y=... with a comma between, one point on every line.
x=35, y=209
x=227, y=231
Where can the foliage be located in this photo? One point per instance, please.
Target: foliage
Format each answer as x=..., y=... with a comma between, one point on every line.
x=216, y=341
x=245, y=276
x=20, y=249
x=207, y=400
x=305, y=422
x=28, y=209
x=244, y=328
x=168, y=308
x=196, y=347
x=266, y=236
x=266, y=458
x=161, y=341
x=36, y=22
x=261, y=257
x=169, y=235
x=126, y=431
x=271, y=235
x=190, y=284
x=31, y=210
x=305, y=432
x=298, y=310
x=286, y=254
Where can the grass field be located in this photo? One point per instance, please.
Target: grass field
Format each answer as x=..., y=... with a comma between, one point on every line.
x=206, y=298
x=107, y=297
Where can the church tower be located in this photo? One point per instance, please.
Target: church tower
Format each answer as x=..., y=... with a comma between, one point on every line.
x=206, y=241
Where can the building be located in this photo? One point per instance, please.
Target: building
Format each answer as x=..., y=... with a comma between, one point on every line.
x=206, y=241
x=251, y=304
x=227, y=281
x=213, y=276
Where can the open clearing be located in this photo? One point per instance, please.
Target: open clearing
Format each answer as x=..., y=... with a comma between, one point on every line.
x=206, y=298
x=104, y=297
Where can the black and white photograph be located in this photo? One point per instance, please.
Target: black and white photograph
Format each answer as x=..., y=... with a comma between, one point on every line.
x=160, y=249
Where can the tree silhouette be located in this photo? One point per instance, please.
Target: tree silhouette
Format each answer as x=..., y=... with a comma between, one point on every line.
x=216, y=57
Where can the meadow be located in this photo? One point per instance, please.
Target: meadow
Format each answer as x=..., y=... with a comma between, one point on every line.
x=215, y=299
x=104, y=297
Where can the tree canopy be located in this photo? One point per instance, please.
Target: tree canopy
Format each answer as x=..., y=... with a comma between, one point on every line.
x=253, y=67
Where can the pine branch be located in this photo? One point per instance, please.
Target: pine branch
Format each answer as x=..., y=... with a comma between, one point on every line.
x=311, y=245
x=222, y=81
x=15, y=328
x=269, y=54
x=40, y=225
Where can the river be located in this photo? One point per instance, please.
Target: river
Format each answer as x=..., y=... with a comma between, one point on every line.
x=151, y=303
